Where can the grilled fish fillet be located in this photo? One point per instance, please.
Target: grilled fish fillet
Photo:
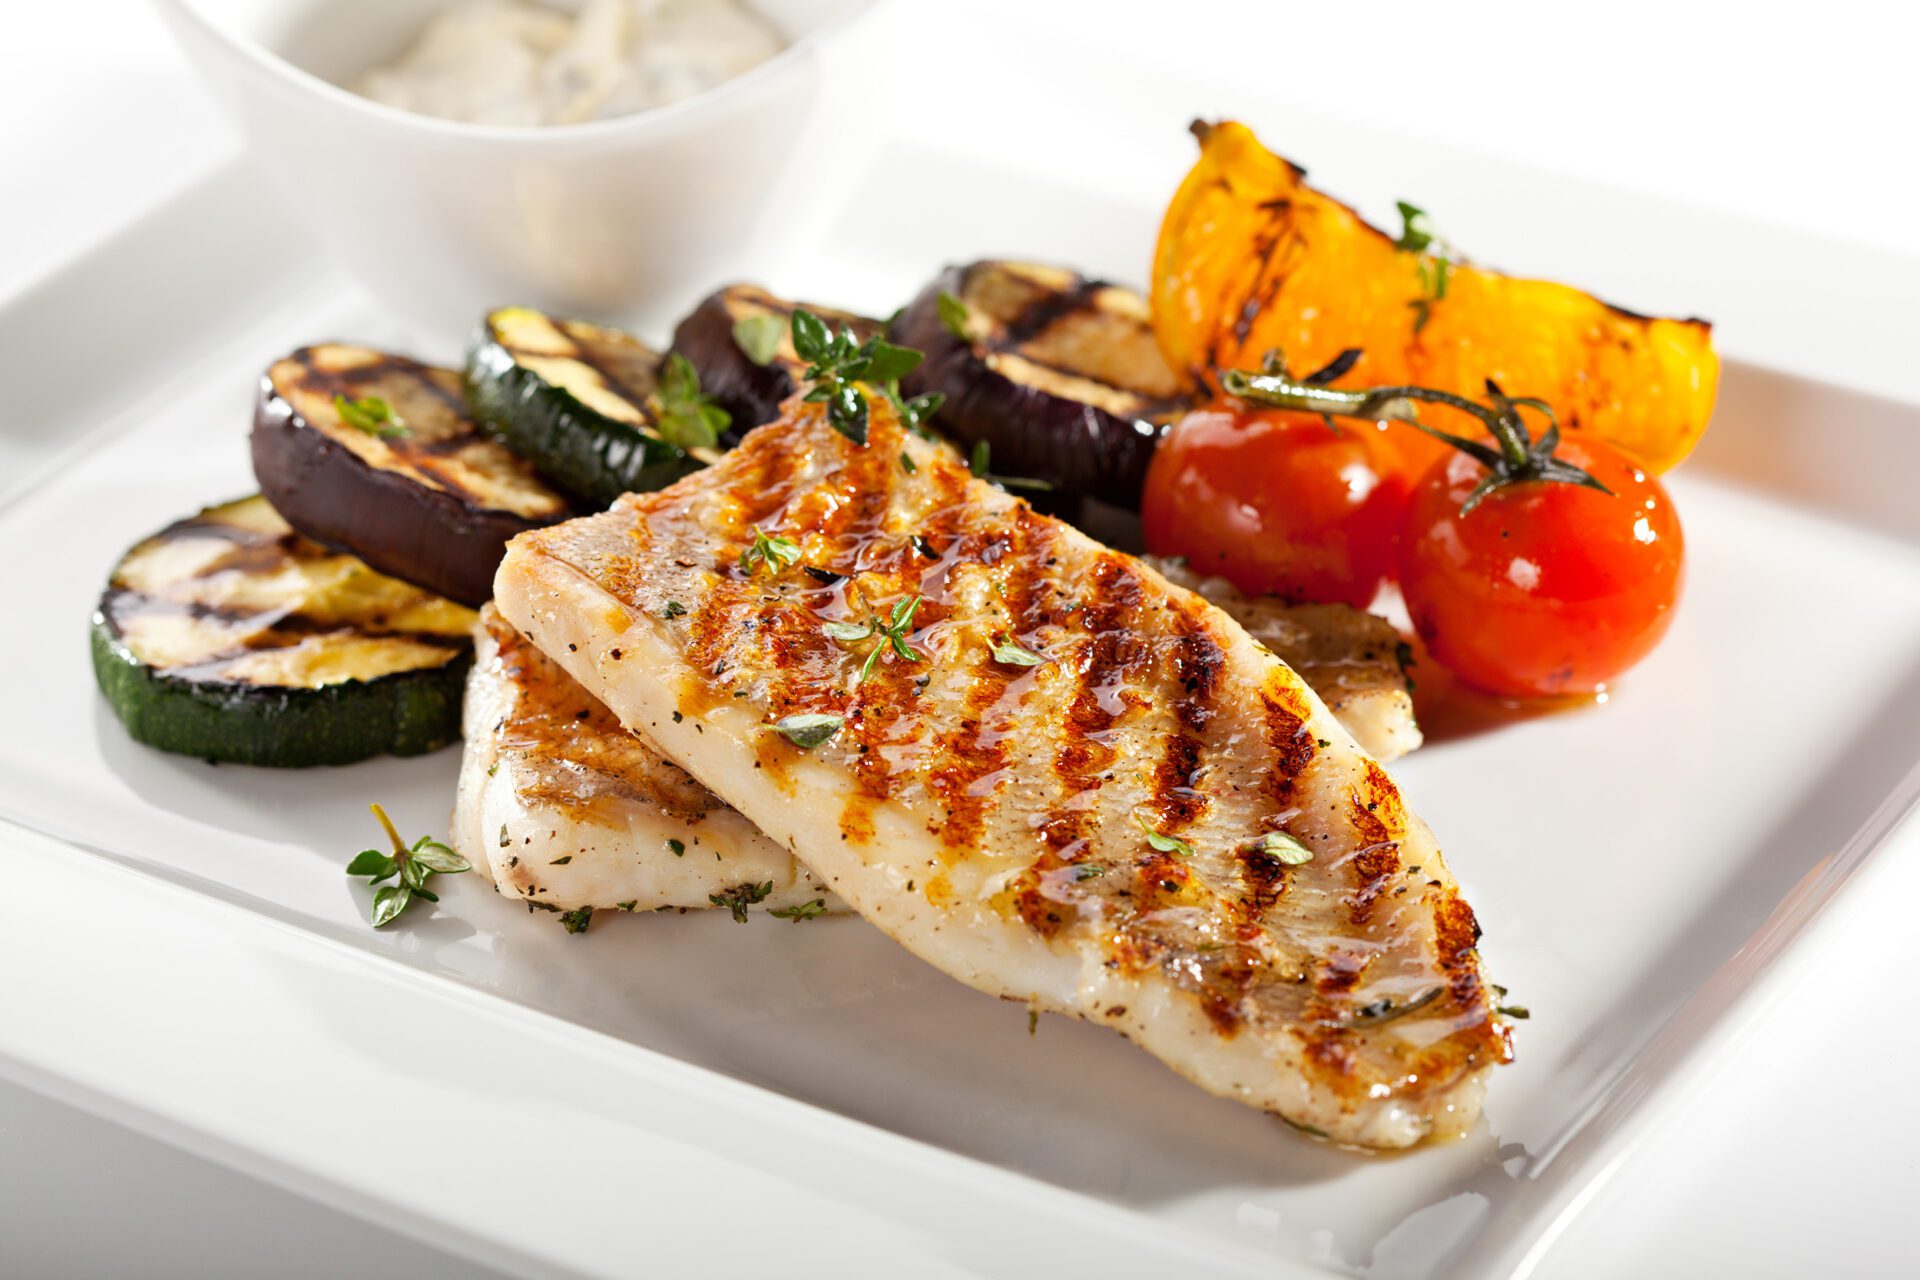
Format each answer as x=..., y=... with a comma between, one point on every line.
x=1351, y=658
x=1110, y=833
x=561, y=807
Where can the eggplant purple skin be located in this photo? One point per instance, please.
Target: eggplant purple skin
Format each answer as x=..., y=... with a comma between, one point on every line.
x=1082, y=450
x=750, y=393
x=424, y=536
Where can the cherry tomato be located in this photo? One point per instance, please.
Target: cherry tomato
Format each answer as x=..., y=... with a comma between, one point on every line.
x=1544, y=589
x=1277, y=502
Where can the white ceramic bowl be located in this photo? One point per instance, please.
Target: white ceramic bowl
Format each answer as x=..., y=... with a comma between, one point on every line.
x=628, y=220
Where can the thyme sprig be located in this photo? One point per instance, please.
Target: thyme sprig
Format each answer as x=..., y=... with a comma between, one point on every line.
x=370, y=414
x=1514, y=457
x=837, y=365
x=769, y=549
x=740, y=897
x=1435, y=262
x=892, y=631
x=688, y=416
x=413, y=865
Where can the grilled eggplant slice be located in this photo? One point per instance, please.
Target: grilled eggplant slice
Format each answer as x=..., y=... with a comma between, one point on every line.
x=231, y=637
x=741, y=341
x=1058, y=374
x=374, y=454
x=581, y=402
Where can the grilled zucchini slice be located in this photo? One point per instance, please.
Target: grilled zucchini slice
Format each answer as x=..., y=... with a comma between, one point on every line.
x=581, y=402
x=375, y=455
x=1058, y=374
x=750, y=384
x=230, y=637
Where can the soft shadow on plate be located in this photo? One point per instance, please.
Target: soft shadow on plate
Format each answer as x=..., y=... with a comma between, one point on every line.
x=283, y=805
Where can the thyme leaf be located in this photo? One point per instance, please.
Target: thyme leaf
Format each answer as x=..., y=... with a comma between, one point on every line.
x=771, y=550
x=740, y=897
x=413, y=865
x=687, y=416
x=758, y=337
x=1163, y=843
x=808, y=731
x=1009, y=651
x=1283, y=847
x=370, y=414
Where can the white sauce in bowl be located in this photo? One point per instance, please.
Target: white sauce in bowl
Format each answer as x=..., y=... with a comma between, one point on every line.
x=507, y=62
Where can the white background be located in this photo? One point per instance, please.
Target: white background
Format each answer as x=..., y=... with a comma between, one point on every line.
x=1802, y=1158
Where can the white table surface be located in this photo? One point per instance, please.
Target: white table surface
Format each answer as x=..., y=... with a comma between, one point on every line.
x=1805, y=124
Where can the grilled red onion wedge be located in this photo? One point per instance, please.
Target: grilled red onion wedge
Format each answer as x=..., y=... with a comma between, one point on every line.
x=1035, y=763
x=374, y=454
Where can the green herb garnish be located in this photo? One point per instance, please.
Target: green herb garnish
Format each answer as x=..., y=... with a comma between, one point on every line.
x=894, y=630
x=1515, y=456
x=953, y=315
x=838, y=363
x=412, y=864
x=1283, y=847
x=758, y=337
x=771, y=550
x=370, y=414
x=907, y=464
x=1163, y=843
x=1010, y=652
x=808, y=731
x=805, y=911
x=847, y=632
x=674, y=609
x=1385, y=1010
x=577, y=920
x=679, y=847
x=982, y=454
x=688, y=417
x=740, y=897
x=1434, y=265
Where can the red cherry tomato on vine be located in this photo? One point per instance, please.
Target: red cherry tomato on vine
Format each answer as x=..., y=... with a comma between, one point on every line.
x=1543, y=589
x=1277, y=503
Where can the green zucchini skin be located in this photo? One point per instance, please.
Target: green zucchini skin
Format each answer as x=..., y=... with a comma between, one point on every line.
x=587, y=455
x=231, y=637
x=406, y=714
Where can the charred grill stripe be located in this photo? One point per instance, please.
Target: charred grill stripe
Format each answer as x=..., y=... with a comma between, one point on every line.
x=968, y=754
x=1049, y=308
x=1374, y=868
x=583, y=353
x=1111, y=650
x=1284, y=725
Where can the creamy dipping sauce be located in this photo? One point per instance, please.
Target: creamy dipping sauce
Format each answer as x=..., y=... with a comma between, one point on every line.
x=508, y=62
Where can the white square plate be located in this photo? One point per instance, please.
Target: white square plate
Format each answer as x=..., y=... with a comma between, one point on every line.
x=682, y=1088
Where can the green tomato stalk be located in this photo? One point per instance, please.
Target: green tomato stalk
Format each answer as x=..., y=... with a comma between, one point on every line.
x=1514, y=458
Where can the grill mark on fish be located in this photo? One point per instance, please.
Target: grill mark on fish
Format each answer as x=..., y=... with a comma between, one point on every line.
x=1197, y=662
x=1374, y=868
x=1284, y=725
x=975, y=749
x=1110, y=652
